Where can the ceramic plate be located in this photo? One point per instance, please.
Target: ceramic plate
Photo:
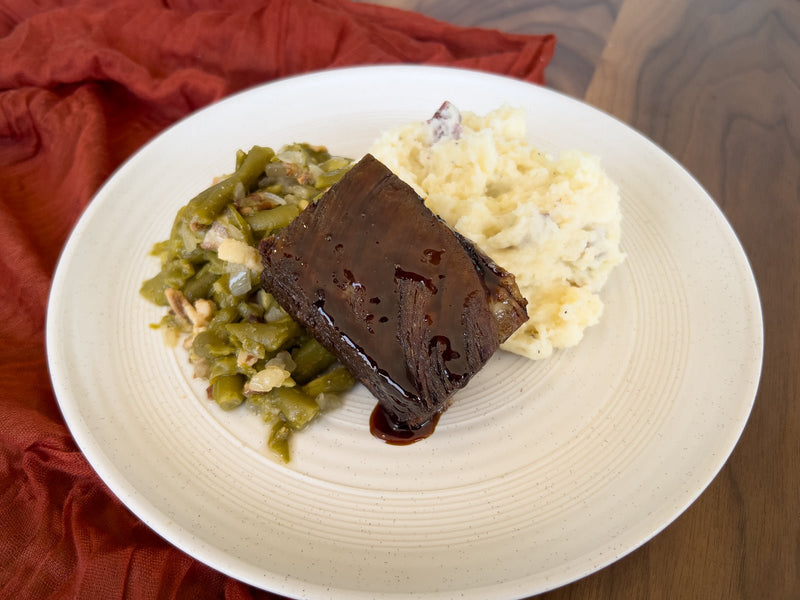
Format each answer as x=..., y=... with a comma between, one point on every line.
x=539, y=474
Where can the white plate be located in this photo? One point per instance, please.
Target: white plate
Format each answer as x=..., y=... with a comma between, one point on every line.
x=539, y=474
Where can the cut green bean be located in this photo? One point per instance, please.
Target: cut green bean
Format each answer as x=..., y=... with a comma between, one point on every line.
x=199, y=285
x=272, y=336
x=222, y=366
x=240, y=156
x=250, y=311
x=210, y=345
x=279, y=439
x=296, y=407
x=221, y=292
x=300, y=192
x=272, y=219
x=227, y=391
x=222, y=317
x=334, y=381
x=173, y=275
x=327, y=179
x=311, y=359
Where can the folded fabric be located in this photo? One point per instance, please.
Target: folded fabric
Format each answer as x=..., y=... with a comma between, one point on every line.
x=83, y=84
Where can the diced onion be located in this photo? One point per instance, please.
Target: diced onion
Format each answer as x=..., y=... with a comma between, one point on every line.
x=240, y=282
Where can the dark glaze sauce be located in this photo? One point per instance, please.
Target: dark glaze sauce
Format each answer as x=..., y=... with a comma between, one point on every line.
x=381, y=427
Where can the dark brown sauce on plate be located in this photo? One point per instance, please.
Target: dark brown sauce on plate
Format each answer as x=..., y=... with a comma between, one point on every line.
x=381, y=428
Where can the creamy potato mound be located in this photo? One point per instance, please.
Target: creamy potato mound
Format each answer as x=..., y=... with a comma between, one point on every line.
x=554, y=222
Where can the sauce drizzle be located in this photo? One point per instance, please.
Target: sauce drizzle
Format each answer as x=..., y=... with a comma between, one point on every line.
x=380, y=426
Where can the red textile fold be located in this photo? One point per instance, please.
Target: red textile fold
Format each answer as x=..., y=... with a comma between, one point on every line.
x=83, y=84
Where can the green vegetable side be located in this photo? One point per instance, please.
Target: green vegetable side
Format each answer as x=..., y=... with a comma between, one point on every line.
x=239, y=339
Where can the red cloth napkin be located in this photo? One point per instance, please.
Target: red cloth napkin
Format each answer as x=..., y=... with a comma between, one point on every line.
x=83, y=84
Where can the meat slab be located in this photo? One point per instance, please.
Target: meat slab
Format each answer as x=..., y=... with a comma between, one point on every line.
x=409, y=306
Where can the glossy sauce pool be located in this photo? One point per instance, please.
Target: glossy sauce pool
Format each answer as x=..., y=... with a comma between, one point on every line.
x=381, y=427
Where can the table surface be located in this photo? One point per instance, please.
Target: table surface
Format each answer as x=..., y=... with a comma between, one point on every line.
x=716, y=83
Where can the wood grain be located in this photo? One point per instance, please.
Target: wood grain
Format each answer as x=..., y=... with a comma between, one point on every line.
x=582, y=27
x=716, y=83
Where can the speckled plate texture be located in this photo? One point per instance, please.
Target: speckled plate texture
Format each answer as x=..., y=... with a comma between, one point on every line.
x=540, y=473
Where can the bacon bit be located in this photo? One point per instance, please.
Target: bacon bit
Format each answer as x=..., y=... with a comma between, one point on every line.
x=180, y=305
x=255, y=202
x=306, y=178
x=292, y=169
x=197, y=315
x=245, y=358
x=214, y=236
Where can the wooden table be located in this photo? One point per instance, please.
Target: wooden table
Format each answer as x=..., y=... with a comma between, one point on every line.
x=716, y=83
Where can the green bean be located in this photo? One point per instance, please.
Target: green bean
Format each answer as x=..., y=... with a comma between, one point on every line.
x=254, y=348
x=183, y=239
x=311, y=359
x=272, y=336
x=264, y=299
x=208, y=204
x=160, y=248
x=210, y=345
x=272, y=219
x=279, y=439
x=300, y=192
x=215, y=264
x=335, y=381
x=336, y=163
x=317, y=154
x=222, y=317
x=326, y=179
x=221, y=292
x=173, y=275
x=250, y=311
x=296, y=407
x=224, y=365
x=199, y=285
x=240, y=156
x=227, y=391
x=204, y=207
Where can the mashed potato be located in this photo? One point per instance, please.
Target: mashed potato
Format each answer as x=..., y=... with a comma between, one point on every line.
x=552, y=222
